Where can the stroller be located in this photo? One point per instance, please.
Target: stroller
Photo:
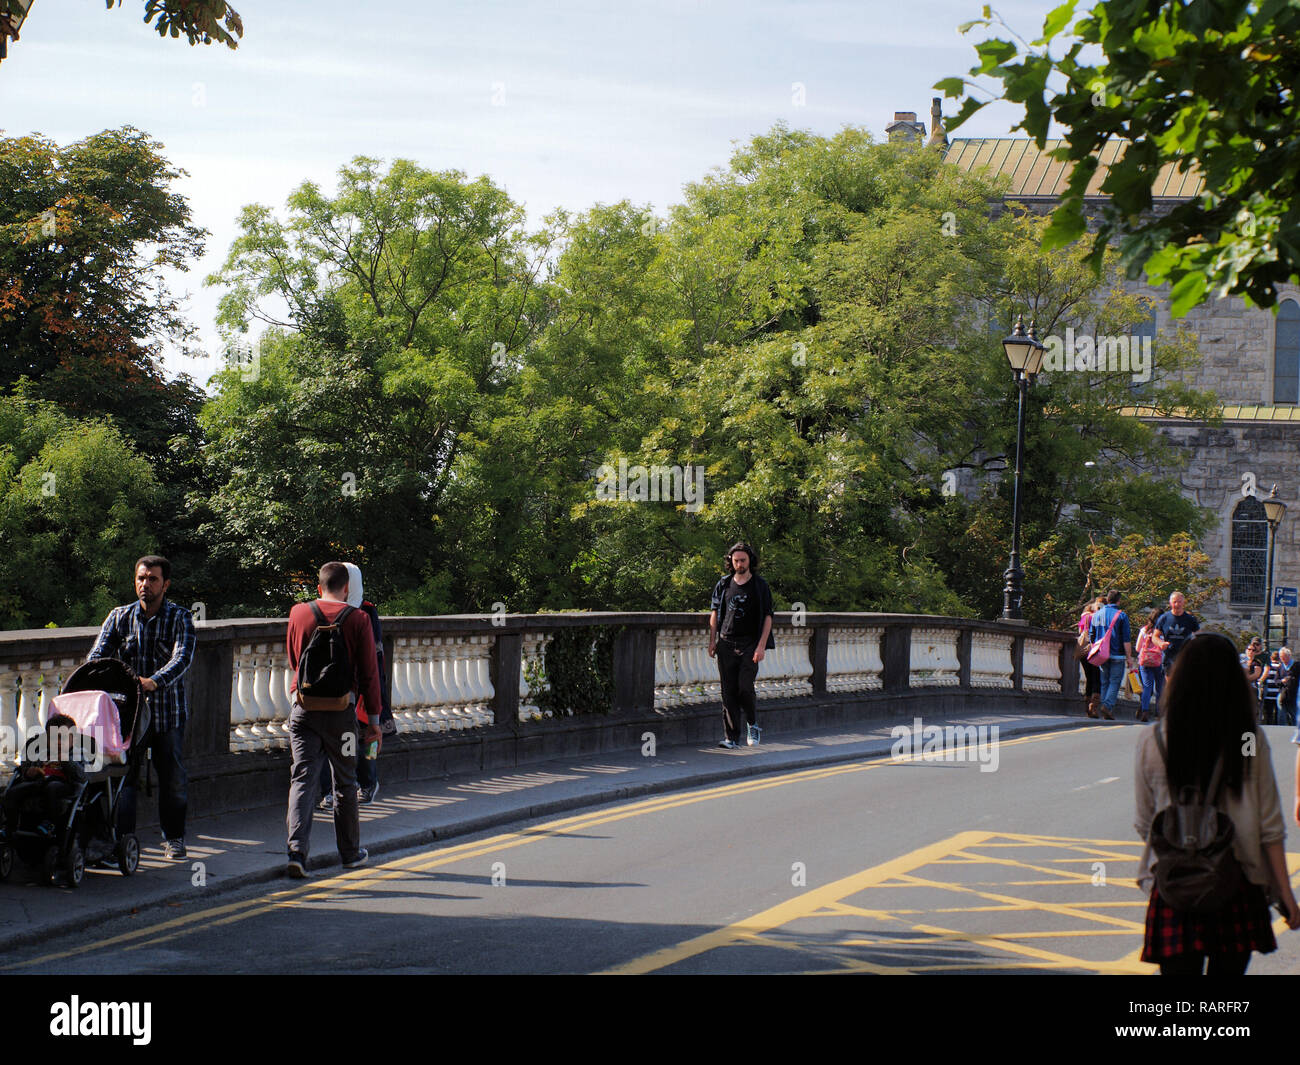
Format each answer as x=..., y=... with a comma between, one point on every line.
x=86, y=828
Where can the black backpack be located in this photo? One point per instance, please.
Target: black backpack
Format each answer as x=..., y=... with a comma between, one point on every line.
x=1196, y=871
x=325, y=672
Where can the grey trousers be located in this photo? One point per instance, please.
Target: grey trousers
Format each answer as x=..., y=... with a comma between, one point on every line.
x=312, y=732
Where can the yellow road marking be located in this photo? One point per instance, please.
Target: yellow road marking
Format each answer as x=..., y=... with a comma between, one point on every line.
x=353, y=880
x=1059, y=909
x=1061, y=961
x=965, y=849
x=792, y=909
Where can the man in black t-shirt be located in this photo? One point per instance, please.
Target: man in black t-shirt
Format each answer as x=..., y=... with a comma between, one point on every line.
x=740, y=631
x=1177, y=626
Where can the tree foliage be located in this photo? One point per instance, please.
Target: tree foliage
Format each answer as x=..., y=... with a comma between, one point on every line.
x=85, y=233
x=74, y=507
x=1148, y=573
x=398, y=306
x=809, y=331
x=1207, y=85
x=201, y=21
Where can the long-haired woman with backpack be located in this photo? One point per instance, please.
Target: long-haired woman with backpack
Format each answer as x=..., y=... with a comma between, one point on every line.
x=1211, y=744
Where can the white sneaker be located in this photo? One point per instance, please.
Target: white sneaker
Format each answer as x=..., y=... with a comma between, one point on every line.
x=728, y=744
x=754, y=736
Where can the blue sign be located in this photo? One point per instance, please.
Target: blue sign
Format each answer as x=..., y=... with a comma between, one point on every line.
x=1285, y=597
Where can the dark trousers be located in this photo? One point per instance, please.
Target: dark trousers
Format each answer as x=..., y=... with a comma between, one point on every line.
x=173, y=786
x=311, y=734
x=738, y=670
x=1093, y=677
x=367, y=769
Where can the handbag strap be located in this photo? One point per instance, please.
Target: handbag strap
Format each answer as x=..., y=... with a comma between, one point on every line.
x=1111, y=627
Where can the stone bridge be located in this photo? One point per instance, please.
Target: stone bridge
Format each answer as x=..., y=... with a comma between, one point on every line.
x=485, y=692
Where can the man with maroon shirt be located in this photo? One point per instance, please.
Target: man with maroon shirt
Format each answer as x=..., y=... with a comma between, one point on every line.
x=332, y=731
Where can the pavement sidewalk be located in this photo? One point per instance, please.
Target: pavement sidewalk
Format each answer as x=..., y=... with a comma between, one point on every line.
x=235, y=850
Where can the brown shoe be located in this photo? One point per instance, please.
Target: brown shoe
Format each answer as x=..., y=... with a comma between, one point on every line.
x=1106, y=714
x=1093, y=702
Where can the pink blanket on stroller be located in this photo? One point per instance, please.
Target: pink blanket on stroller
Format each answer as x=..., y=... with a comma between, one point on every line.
x=96, y=715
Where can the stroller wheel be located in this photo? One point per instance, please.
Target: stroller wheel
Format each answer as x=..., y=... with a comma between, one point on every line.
x=128, y=854
x=74, y=866
x=50, y=863
x=6, y=860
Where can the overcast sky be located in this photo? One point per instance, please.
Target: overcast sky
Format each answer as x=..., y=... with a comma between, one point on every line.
x=561, y=103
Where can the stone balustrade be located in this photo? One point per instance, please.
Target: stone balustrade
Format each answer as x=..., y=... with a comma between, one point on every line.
x=990, y=660
x=482, y=676
x=1042, y=666
x=934, y=661
x=853, y=661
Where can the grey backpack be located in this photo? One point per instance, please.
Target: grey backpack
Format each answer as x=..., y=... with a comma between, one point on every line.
x=1196, y=871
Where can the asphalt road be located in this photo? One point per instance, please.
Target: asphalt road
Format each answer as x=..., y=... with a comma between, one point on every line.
x=873, y=866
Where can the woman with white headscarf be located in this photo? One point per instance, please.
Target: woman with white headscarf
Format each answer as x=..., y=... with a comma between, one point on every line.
x=367, y=768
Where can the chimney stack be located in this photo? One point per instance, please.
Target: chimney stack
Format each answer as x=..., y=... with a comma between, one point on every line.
x=938, y=135
x=905, y=128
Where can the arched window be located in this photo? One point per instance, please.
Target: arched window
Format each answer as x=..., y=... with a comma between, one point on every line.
x=1286, y=353
x=1249, y=552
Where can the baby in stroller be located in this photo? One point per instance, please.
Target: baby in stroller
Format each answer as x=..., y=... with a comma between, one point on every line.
x=60, y=809
x=48, y=783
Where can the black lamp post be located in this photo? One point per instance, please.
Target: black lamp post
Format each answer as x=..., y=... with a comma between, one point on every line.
x=1025, y=354
x=1274, y=510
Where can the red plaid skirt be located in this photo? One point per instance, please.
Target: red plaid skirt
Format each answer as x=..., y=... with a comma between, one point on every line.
x=1241, y=926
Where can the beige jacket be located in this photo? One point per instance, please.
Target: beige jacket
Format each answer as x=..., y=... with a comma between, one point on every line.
x=1256, y=813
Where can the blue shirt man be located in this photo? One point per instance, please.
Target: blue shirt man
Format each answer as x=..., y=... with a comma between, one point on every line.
x=1177, y=626
x=155, y=637
x=1121, y=652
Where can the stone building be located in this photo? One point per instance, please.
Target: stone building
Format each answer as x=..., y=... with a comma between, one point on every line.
x=1250, y=361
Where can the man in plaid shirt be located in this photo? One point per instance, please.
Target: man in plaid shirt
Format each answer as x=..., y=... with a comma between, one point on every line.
x=155, y=637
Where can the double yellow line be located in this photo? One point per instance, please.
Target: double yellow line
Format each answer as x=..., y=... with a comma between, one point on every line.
x=360, y=879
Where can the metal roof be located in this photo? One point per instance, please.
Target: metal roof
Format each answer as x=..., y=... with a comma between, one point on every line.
x=1035, y=175
x=1258, y=412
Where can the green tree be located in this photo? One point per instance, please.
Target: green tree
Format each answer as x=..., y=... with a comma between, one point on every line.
x=827, y=404
x=399, y=308
x=1148, y=573
x=85, y=231
x=75, y=501
x=1202, y=84
x=810, y=327
x=1092, y=470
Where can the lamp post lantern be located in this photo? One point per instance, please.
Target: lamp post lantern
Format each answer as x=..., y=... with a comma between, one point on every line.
x=1025, y=354
x=10, y=24
x=1274, y=511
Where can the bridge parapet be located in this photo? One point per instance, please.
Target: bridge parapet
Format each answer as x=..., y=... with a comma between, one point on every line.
x=474, y=686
